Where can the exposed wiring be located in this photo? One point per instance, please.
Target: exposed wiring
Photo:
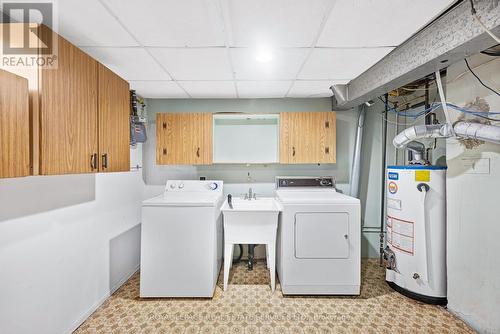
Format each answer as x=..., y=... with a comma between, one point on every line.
x=467, y=71
x=492, y=52
x=479, y=79
x=476, y=17
x=434, y=106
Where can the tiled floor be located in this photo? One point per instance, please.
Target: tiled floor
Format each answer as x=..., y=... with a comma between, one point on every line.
x=249, y=307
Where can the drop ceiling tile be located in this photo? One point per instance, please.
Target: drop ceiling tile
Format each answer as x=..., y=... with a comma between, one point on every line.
x=263, y=89
x=275, y=23
x=88, y=23
x=158, y=89
x=195, y=63
x=378, y=23
x=318, y=88
x=171, y=22
x=209, y=89
x=340, y=64
x=284, y=65
x=129, y=63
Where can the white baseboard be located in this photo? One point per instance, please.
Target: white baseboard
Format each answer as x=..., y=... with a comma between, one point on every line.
x=100, y=301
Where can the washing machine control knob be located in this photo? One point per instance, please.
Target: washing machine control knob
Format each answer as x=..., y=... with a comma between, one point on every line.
x=172, y=185
x=213, y=185
x=181, y=185
x=325, y=182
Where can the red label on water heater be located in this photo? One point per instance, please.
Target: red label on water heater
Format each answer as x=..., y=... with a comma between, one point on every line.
x=393, y=187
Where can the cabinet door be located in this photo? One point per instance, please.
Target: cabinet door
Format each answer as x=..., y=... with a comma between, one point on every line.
x=183, y=138
x=14, y=126
x=199, y=149
x=68, y=113
x=298, y=138
x=326, y=125
x=114, y=125
x=307, y=137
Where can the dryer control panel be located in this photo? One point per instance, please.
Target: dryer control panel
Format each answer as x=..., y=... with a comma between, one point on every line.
x=309, y=182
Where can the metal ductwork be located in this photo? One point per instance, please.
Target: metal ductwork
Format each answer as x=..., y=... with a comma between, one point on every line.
x=452, y=37
x=340, y=92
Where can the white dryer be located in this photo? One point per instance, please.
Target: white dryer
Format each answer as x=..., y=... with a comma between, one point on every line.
x=319, y=238
x=181, y=240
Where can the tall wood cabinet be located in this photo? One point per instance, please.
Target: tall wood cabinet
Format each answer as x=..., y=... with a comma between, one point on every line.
x=184, y=138
x=307, y=137
x=114, y=126
x=14, y=126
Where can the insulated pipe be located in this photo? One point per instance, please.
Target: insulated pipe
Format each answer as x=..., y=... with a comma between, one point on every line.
x=489, y=133
x=356, y=160
x=421, y=131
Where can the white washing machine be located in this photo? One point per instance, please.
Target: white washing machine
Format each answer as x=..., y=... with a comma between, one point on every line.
x=181, y=240
x=319, y=238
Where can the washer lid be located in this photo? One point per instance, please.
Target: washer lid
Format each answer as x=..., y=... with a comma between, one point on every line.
x=184, y=199
x=314, y=197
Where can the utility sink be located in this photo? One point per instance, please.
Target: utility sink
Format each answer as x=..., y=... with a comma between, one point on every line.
x=267, y=204
x=253, y=221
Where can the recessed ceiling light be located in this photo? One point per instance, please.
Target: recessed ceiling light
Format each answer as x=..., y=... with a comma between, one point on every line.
x=264, y=54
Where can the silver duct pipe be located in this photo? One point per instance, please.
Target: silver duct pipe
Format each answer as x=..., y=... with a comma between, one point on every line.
x=340, y=92
x=356, y=160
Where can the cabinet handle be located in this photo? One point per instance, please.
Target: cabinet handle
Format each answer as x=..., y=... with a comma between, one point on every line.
x=327, y=124
x=327, y=150
x=164, y=125
x=293, y=151
x=93, y=161
x=104, y=158
x=198, y=152
x=164, y=151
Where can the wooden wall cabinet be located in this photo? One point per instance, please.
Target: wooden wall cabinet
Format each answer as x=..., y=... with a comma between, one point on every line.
x=14, y=126
x=78, y=113
x=68, y=113
x=114, y=121
x=183, y=138
x=307, y=137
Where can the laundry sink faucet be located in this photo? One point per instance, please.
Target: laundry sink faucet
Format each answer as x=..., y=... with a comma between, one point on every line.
x=250, y=195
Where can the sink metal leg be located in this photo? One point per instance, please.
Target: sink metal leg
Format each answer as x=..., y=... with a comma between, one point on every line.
x=228, y=261
x=271, y=247
x=251, y=248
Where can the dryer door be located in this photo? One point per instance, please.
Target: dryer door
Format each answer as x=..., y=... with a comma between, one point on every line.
x=321, y=235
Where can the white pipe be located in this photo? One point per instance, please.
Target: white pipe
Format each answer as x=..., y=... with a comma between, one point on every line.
x=489, y=133
x=420, y=131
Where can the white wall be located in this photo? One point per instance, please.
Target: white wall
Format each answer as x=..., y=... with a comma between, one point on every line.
x=473, y=221
x=66, y=242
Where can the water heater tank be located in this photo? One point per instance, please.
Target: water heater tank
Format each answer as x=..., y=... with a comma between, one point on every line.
x=416, y=232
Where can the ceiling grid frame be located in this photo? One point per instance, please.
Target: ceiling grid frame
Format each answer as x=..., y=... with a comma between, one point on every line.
x=314, y=42
x=226, y=26
x=305, y=72
x=110, y=11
